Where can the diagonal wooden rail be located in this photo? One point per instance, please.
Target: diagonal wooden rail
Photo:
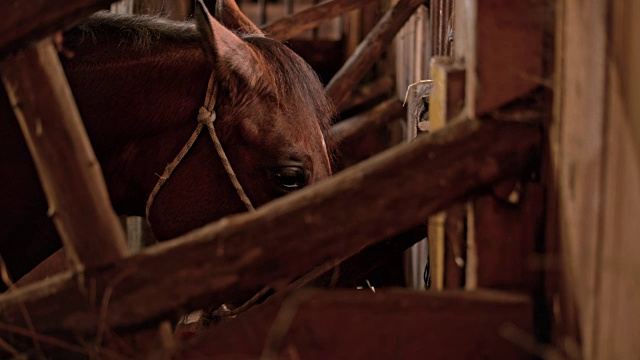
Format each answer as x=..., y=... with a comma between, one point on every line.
x=290, y=26
x=369, y=50
x=69, y=172
x=326, y=223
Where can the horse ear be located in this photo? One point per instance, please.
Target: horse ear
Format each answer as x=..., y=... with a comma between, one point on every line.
x=230, y=15
x=224, y=48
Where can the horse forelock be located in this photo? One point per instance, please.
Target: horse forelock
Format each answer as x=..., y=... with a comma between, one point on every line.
x=140, y=31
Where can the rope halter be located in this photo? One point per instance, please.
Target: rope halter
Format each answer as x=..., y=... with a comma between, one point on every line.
x=206, y=117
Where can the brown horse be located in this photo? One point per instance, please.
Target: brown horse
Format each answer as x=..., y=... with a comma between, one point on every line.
x=139, y=83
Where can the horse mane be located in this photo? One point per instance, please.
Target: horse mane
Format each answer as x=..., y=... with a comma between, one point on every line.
x=140, y=31
x=296, y=81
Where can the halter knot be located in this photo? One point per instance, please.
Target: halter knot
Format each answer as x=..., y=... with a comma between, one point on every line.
x=205, y=116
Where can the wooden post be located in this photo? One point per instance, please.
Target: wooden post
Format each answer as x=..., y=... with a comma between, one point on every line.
x=69, y=171
x=447, y=238
x=495, y=78
x=595, y=142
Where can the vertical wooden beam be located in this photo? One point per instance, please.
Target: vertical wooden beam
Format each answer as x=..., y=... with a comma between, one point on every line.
x=597, y=158
x=578, y=152
x=441, y=22
x=447, y=99
x=69, y=171
x=506, y=234
x=617, y=302
x=501, y=42
x=447, y=239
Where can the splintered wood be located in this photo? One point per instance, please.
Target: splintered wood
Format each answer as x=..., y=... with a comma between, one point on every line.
x=501, y=43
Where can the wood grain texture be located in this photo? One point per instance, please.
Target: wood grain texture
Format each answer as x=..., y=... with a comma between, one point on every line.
x=617, y=297
x=506, y=236
x=615, y=328
x=338, y=217
x=501, y=42
x=369, y=50
x=67, y=166
x=290, y=26
x=392, y=324
x=25, y=21
x=578, y=152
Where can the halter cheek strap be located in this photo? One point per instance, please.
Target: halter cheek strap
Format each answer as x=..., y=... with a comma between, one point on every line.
x=206, y=117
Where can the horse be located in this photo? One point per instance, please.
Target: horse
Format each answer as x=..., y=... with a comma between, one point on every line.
x=140, y=83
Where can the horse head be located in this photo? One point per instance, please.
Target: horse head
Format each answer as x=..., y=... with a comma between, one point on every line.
x=270, y=114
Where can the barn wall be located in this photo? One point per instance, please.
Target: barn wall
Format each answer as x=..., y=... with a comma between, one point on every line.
x=595, y=147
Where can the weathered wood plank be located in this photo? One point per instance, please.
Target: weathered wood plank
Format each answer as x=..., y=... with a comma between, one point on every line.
x=225, y=260
x=366, y=54
x=67, y=166
x=580, y=101
x=618, y=314
x=290, y=26
x=501, y=42
x=506, y=234
x=447, y=240
x=597, y=162
x=24, y=21
x=392, y=324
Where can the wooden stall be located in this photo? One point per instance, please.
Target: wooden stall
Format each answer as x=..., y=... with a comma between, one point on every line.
x=519, y=152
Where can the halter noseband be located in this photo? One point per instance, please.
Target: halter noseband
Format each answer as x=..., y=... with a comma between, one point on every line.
x=206, y=117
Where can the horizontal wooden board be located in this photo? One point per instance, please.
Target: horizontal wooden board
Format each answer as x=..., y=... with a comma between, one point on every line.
x=358, y=324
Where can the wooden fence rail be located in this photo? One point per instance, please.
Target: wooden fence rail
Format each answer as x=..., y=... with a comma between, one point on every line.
x=366, y=54
x=321, y=225
x=290, y=26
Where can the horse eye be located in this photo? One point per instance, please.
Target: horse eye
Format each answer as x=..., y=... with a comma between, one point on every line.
x=290, y=178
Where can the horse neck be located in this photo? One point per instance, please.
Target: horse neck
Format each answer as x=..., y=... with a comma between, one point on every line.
x=139, y=108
